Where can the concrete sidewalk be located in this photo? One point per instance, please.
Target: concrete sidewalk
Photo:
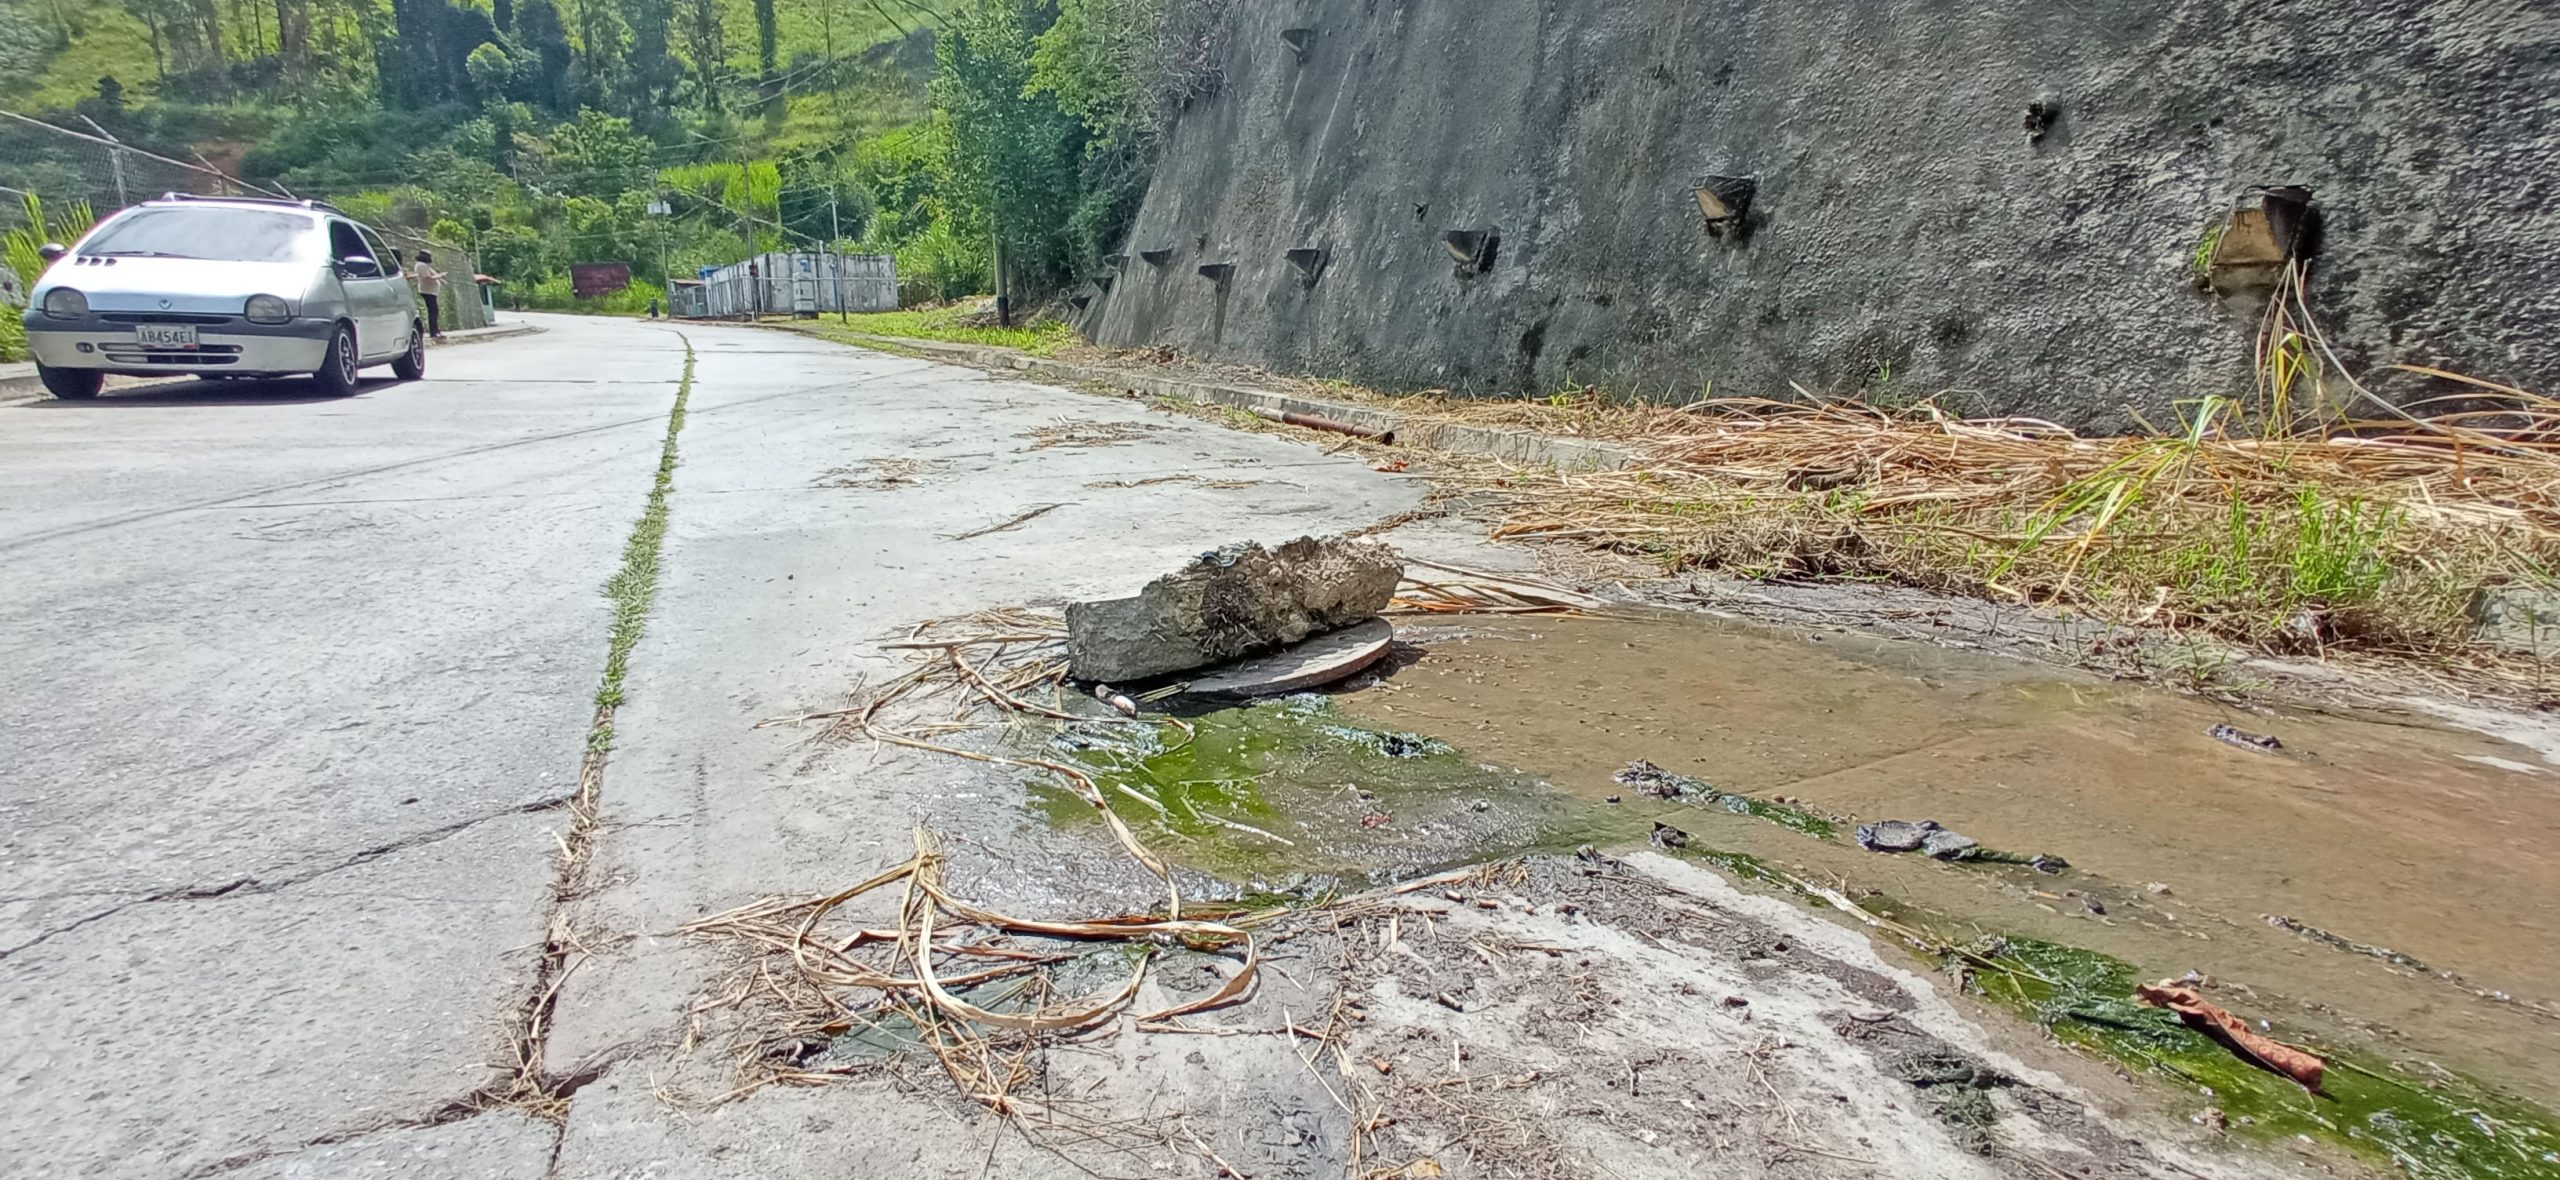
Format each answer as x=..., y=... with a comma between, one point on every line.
x=18, y=380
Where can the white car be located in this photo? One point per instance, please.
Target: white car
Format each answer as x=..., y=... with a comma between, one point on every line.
x=224, y=287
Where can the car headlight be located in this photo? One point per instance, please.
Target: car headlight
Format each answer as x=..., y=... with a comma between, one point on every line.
x=268, y=309
x=63, y=303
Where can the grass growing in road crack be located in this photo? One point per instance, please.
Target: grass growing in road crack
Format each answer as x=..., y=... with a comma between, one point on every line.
x=633, y=589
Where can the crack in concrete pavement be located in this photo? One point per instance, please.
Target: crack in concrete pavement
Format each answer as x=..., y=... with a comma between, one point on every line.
x=527, y=1085
x=468, y=1106
x=256, y=886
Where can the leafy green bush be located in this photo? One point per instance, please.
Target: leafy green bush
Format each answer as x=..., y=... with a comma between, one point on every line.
x=556, y=294
x=18, y=248
x=13, y=335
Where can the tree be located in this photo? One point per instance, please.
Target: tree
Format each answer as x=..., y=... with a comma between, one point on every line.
x=705, y=43
x=293, y=32
x=600, y=40
x=594, y=155
x=491, y=70
x=545, y=83
x=151, y=14
x=502, y=13
x=651, y=72
x=1014, y=154
x=768, y=43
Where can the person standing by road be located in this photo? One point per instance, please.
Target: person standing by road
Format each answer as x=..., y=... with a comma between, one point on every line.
x=430, y=284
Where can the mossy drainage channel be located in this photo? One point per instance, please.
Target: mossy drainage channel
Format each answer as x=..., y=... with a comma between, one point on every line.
x=1285, y=799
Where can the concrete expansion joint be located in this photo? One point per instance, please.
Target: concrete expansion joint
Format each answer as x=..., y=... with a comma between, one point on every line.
x=530, y=1084
x=254, y=886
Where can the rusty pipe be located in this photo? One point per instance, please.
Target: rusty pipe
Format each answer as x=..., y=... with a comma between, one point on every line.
x=1312, y=422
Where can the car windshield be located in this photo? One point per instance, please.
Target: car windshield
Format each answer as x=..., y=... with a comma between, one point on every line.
x=227, y=235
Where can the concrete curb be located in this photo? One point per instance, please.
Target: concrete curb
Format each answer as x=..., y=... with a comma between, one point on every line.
x=494, y=332
x=1515, y=446
x=26, y=387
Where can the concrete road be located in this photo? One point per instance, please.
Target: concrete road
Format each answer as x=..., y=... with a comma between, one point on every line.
x=295, y=690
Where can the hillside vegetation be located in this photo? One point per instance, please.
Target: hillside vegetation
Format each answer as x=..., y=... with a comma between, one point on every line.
x=538, y=133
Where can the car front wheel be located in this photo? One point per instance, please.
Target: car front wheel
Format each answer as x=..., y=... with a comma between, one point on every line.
x=412, y=364
x=71, y=384
x=337, y=375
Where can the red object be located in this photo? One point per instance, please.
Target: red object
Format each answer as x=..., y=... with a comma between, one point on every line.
x=594, y=280
x=2234, y=1033
x=1393, y=468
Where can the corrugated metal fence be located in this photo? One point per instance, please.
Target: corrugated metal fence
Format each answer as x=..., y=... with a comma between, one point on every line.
x=802, y=282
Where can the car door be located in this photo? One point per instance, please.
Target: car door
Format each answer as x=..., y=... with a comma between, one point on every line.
x=369, y=294
x=402, y=299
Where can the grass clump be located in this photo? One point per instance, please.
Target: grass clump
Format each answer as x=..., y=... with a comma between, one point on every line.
x=633, y=589
x=951, y=323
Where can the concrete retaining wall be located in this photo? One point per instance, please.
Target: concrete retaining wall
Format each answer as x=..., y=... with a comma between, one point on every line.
x=2003, y=200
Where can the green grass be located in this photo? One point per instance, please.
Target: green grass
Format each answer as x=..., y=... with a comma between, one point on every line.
x=633, y=589
x=2202, y=262
x=1038, y=339
x=110, y=42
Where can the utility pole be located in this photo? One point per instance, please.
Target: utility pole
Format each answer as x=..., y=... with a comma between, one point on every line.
x=1004, y=305
x=835, y=246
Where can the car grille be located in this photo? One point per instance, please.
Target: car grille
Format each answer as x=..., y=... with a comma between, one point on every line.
x=209, y=354
x=164, y=317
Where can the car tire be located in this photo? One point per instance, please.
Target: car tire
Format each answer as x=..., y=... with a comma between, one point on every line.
x=71, y=385
x=412, y=364
x=337, y=375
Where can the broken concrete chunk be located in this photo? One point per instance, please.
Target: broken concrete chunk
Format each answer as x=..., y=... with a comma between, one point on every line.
x=1232, y=603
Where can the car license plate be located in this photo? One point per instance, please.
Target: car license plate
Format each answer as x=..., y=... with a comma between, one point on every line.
x=165, y=335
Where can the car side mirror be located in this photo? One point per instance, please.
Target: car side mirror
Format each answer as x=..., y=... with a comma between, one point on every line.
x=359, y=266
x=51, y=251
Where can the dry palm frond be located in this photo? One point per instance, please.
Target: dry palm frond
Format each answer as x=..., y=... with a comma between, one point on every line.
x=981, y=1021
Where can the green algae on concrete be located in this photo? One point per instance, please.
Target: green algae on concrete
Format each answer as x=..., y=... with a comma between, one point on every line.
x=1283, y=796
x=2440, y=1125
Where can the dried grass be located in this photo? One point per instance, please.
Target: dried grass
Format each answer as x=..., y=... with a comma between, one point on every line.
x=973, y=987
x=2287, y=543
x=2309, y=516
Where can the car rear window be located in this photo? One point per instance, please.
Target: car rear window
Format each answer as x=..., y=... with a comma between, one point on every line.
x=227, y=235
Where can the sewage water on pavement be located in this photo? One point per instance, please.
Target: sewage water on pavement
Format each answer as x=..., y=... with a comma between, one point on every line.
x=2391, y=832
x=2378, y=884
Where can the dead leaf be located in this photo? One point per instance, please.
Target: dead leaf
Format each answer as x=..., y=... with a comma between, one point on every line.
x=1423, y=1169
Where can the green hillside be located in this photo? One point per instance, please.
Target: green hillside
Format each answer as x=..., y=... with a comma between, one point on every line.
x=669, y=134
